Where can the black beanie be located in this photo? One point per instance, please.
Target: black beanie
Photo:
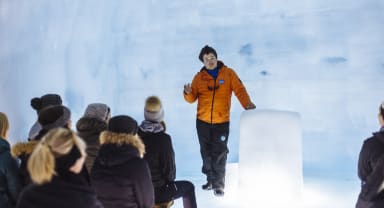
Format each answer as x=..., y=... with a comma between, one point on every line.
x=122, y=124
x=206, y=50
x=46, y=100
x=54, y=116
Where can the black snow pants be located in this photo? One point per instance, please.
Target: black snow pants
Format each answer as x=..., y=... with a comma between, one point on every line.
x=177, y=189
x=213, y=139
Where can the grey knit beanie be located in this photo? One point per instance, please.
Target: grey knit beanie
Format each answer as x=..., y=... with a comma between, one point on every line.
x=97, y=110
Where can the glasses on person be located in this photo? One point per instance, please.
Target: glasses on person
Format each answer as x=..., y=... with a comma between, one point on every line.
x=211, y=58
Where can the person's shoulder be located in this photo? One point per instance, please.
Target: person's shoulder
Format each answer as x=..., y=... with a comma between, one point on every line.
x=229, y=70
x=372, y=141
x=6, y=159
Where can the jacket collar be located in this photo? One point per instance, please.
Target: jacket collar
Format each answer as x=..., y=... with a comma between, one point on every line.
x=4, y=145
x=220, y=65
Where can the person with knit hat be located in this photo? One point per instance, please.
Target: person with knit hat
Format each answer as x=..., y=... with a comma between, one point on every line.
x=55, y=167
x=38, y=104
x=161, y=157
x=9, y=179
x=49, y=118
x=212, y=87
x=120, y=175
x=89, y=127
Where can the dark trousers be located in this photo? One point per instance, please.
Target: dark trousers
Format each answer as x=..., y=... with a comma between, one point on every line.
x=213, y=139
x=176, y=189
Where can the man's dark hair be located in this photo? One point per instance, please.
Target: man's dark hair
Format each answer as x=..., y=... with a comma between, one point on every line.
x=382, y=110
x=206, y=50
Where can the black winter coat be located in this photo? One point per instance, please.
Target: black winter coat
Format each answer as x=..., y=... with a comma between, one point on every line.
x=62, y=192
x=23, y=151
x=160, y=157
x=89, y=130
x=9, y=179
x=121, y=178
x=371, y=174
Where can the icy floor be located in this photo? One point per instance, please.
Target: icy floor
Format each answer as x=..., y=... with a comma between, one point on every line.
x=317, y=193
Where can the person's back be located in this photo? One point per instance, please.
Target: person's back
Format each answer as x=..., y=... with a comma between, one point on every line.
x=120, y=176
x=50, y=117
x=9, y=178
x=56, y=168
x=161, y=157
x=89, y=127
x=59, y=193
x=371, y=168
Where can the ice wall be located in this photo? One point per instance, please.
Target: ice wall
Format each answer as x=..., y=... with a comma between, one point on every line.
x=323, y=59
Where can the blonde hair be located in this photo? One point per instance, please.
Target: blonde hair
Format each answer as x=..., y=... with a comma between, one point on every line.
x=4, y=124
x=57, y=142
x=153, y=104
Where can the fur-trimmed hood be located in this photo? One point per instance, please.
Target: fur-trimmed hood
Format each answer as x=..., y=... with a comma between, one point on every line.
x=119, y=139
x=23, y=148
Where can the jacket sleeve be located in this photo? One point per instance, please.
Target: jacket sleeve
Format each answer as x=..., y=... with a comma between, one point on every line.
x=374, y=183
x=168, y=160
x=191, y=97
x=364, y=167
x=12, y=177
x=143, y=186
x=239, y=90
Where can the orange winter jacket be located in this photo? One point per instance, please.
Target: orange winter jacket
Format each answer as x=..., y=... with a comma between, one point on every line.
x=214, y=96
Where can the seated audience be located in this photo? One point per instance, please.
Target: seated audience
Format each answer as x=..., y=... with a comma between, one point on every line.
x=161, y=157
x=55, y=168
x=89, y=127
x=39, y=104
x=119, y=175
x=9, y=179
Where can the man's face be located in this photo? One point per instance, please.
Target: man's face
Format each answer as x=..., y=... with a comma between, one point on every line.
x=210, y=61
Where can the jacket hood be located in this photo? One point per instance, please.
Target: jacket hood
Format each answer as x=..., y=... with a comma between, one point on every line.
x=4, y=145
x=119, y=139
x=380, y=136
x=88, y=126
x=113, y=154
x=23, y=148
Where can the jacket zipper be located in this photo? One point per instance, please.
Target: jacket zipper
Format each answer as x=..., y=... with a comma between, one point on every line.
x=213, y=99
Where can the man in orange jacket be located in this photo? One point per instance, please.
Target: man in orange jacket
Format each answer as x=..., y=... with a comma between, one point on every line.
x=212, y=86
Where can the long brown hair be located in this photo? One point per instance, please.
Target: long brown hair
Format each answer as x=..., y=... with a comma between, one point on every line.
x=4, y=125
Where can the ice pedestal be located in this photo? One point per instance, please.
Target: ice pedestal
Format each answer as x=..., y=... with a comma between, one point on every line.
x=270, y=158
